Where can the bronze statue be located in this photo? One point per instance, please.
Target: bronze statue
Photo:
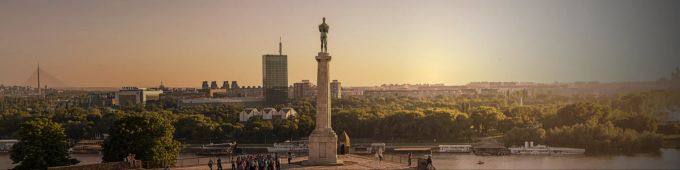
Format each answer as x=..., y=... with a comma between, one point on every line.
x=323, y=28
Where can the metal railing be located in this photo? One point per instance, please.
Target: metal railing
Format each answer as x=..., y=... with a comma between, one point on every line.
x=397, y=158
x=203, y=160
x=193, y=161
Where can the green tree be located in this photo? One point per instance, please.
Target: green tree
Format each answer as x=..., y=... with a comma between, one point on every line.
x=42, y=144
x=403, y=124
x=148, y=135
x=196, y=127
x=285, y=128
x=10, y=123
x=440, y=123
x=639, y=122
x=485, y=118
x=232, y=130
x=260, y=129
x=517, y=136
x=579, y=113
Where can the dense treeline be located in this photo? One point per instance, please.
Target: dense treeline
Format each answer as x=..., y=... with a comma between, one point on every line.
x=625, y=123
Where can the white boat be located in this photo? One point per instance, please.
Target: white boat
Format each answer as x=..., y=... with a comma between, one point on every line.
x=290, y=146
x=216, y=149
x=455, y=148
x=530, y=149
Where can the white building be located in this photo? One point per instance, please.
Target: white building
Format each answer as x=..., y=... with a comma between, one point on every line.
x=266, y=113
x=133, y=95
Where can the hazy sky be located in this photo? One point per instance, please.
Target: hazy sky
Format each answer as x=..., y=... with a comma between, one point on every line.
x=140, y=43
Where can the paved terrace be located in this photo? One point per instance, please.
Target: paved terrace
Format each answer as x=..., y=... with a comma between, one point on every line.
x=350, y=162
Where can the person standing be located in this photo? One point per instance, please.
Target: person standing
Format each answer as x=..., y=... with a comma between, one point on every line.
x=219, y=163
x=277, y=163
x=127, y=160
x=409, y=158
x=289, y=157
x=133, y=160
x=210, y=164
x=342, y=148
x=233, y=165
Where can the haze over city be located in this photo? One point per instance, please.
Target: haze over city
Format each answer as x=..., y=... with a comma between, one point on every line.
x=182, y=43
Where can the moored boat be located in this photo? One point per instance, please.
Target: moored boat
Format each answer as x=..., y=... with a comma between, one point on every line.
x=530, y=149
x=216, y=149
x=455, y=148
x=298, y=146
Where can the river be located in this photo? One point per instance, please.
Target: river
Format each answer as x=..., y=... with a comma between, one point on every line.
x=665, y=159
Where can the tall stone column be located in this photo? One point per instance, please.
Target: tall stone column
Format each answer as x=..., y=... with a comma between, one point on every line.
x=323, y=102
x=323, y=141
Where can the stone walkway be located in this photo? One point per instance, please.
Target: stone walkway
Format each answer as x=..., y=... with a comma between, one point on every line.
x=350, y=162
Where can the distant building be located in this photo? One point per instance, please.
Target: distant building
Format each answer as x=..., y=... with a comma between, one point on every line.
x=205, y=85
x=412, y=93
x=275, y=78
x=266, y=113
x=213, y=85
x=336, y=89
x=133, y=96
x=177, y=94
x=225, y=85
x=352, y=92
x=303, y=89
x=214, y=92
x=236, y=101
x=234, y=85
x=246, y=91
x=100, y=99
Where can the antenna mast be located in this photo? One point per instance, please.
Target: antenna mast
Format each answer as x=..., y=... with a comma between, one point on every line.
x=280, y=47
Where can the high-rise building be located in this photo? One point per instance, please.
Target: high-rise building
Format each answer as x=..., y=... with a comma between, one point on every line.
x=205, y=85
x=213, y=85
x=275, y=77
x=234, y=85
x=303, y=89
x=225, y=85
x=336, y=89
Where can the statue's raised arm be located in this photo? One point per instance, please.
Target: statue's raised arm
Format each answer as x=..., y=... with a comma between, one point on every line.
x=323, y=28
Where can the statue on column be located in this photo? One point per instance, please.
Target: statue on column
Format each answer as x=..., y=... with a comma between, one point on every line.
x=323, y=28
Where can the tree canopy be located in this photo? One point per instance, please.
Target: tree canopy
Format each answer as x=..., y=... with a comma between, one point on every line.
x=148, y=135
x=42, y=143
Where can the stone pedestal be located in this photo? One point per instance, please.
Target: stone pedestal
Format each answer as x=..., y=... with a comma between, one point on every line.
x=323, y=142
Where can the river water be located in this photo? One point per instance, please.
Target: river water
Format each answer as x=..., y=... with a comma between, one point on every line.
x=665, y=159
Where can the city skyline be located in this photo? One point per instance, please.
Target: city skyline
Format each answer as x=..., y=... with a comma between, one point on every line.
x=96, y=44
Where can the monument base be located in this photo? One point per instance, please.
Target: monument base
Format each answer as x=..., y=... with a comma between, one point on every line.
x=323, y=148
x=310, y=163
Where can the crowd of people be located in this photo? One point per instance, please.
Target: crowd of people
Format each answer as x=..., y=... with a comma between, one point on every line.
x=130, y=160
x=257, y=162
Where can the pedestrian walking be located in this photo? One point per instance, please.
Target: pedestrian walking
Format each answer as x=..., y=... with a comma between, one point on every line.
x=210, y=164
